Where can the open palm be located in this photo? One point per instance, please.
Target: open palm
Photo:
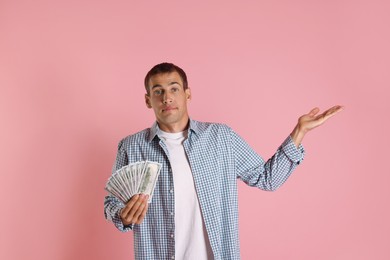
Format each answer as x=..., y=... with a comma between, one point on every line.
x=313, y=119
x=310, y=121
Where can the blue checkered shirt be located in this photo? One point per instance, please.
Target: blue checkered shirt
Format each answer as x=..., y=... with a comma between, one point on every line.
x=217, y=156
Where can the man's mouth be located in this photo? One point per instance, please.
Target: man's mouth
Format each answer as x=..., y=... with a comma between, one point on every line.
x=166, y=109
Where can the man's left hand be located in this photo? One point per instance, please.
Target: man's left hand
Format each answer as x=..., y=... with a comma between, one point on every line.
x=312, y=120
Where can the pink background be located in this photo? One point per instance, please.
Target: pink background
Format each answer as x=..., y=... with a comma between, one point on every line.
x=71, y=78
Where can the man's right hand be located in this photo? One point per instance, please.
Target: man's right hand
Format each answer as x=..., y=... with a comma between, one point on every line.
x=135, y=210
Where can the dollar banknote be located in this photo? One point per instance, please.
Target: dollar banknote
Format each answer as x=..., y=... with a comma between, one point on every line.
x=134, y=178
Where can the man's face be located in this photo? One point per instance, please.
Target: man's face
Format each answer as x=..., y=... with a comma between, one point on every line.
x=169, y=101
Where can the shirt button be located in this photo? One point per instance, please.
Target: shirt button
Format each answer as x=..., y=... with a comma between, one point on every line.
x=171, y=213
x=171, y=235
x=171, y=191
x=173, y=257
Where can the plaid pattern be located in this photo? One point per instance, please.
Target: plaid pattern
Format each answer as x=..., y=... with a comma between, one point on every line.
x=217, y=156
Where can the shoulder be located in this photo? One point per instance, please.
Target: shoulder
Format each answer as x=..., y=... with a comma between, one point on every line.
x=136, y=138
x=210, y=127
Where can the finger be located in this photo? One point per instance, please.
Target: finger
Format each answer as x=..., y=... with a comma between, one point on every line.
x=140, y=209
x=332, y=111
x=143, y=214
x=135, y=207
x=129, y=206
x=337, y=109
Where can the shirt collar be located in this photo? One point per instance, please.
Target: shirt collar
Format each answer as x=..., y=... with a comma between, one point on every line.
x=194, y=127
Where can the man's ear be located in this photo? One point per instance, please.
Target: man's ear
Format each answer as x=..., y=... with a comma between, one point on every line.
x=188, y=94
x=147, y=101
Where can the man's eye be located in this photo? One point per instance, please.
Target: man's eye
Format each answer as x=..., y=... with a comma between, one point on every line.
x=157, y=92
x=175, y=89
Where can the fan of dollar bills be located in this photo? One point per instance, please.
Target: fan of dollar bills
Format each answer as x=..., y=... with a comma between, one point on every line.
x=135, y=178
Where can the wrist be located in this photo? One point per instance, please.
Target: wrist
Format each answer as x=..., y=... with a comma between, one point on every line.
x=297, y=135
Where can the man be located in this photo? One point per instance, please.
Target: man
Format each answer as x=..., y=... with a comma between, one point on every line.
x=194, y=211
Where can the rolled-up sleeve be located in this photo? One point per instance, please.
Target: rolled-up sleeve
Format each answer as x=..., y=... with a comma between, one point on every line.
x=112, y=205
x=266, y=175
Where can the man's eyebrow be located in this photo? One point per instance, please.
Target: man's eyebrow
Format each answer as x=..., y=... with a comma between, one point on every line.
x=169, y=84
x=156, y=86
x=173, y=83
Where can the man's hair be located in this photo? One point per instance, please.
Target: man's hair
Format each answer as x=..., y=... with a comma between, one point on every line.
x=166, y=67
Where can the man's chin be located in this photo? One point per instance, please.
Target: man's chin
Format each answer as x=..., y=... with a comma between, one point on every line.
x=168, y=119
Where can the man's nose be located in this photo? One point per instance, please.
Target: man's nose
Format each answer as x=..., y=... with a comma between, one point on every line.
x=167, y=98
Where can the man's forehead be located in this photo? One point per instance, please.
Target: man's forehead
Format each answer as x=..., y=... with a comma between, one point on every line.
x=165, y=78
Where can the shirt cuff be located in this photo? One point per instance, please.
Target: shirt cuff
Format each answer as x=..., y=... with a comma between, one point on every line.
x=116, y=219
x=294, y=153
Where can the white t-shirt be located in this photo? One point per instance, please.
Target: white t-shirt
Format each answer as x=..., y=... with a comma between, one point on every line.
x=191, y=240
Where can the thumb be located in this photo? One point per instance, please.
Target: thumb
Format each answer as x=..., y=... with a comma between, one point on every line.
x=314, y=111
